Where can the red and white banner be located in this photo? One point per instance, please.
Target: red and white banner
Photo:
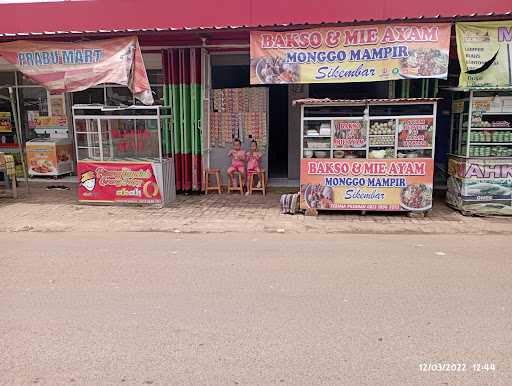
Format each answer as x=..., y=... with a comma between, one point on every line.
x=67, y=67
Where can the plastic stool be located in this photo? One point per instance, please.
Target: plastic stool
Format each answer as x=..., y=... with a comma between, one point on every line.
x=218, y=186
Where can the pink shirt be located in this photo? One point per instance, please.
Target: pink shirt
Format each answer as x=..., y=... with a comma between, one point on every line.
x=254, y=161
x=237, y=157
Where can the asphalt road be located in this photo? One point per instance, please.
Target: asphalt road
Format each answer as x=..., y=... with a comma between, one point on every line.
x=261, y=309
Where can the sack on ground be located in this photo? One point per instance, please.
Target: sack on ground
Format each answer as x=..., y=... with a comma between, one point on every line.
x=289, y=203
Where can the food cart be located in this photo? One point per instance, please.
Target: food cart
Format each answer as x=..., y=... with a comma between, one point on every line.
x=119, y=155
x=372, y=154
x=480, y=162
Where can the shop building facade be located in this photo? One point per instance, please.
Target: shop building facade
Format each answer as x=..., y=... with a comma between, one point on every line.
x=190, y=62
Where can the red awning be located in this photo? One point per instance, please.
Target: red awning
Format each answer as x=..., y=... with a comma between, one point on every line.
x=98, y=15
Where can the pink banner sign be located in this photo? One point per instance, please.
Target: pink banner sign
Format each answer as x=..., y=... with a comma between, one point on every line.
x=118, y=182
x=67, y=67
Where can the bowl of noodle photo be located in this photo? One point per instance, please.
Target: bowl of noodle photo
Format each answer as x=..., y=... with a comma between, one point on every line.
x=425, y=63
x=416, y=197
x=318, y=196
x=274, y=70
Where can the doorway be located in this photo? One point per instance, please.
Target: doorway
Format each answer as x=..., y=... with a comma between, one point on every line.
x=278, y=131
x=231, y=70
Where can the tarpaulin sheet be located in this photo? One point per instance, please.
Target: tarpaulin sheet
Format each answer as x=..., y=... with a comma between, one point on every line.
x=67, y=67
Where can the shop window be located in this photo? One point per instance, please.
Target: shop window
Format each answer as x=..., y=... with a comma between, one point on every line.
x=158, y=94
x=155, y=76
x=230, y=59
x=5, y=103
x=394, y=110
x=156, y=80
x=7, y=78
x=7, y=134
x=89, y=96
x=118, y=96
x=419, y=88
x=334, y=111
x=153, y=64
x=230, y=70
x=361, y=90
x=25, y=80
x=33, y=102
x=230, y=76
x=416, y=88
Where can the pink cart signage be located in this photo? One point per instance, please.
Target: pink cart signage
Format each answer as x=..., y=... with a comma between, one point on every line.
x=118, y=182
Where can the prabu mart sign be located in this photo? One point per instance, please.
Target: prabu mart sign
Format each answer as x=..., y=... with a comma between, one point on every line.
x=74, y=66
x=351, y=54
x=118, y=182
x=388, y=185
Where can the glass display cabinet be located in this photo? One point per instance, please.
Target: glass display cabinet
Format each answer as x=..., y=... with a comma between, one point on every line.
x=120, y=156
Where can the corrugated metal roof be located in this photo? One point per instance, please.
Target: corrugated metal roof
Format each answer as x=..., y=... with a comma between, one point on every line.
x=286, y=26
x=328, y=101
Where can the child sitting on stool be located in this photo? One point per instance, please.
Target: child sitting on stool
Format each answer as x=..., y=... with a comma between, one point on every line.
x=254, y=161
x=237, y=156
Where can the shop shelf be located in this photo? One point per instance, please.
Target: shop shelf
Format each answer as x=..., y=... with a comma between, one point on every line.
x=490, y=143
x=9, y=150
x=317, y=136
x=415, y=148
x=496, y=113
x=491, y=128
x=390, y=145
x=489, y=156
x=348, y=149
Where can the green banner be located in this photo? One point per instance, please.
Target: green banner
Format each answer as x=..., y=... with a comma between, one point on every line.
x=485, y=53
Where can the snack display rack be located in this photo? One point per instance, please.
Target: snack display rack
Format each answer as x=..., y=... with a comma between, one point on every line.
x=373, y=129
x=239, y=113
x=236, y=113
x=119, y=155
x=387, y=145
x=480, y=157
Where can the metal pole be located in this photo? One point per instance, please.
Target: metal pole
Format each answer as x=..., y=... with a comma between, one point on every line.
x=470, y=119
x=434, y=121
x=136, y=142
x=18, y=134
x=452, y=120
x=205, y=104
x=159, y=131
x=100, y=138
